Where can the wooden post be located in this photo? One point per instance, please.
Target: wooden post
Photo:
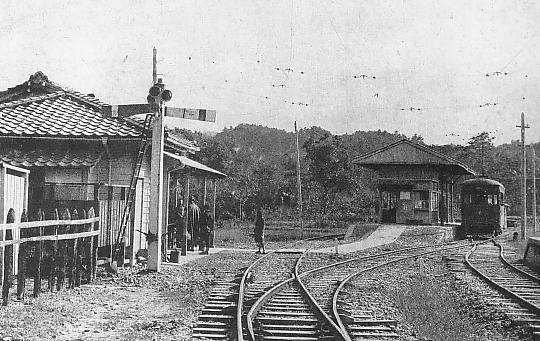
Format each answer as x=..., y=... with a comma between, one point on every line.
x=204, y=194
x=39, y=256
x=452, y=201
x=186, y=216
x=3, y=195
x=299, y=181
x=533, y=157
x=49, y=252
x=110, y=234
x=63, y=255
x=23, y=258
x=93, y=246
x=156, y=196
x=166, y=213
x=213, y=214
x=523, y=179
x=8, y=259
x=75, y=279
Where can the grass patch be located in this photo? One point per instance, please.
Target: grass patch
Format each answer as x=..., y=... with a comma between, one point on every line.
x=435, y=312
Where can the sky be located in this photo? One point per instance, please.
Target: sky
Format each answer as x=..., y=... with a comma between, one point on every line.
x=446, y=70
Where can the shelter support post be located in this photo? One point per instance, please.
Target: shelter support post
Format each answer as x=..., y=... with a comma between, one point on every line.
x=186, y=215
x=214, y=213
x=205, y=192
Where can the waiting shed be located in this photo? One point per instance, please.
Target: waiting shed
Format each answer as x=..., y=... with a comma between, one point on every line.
x=415, y=183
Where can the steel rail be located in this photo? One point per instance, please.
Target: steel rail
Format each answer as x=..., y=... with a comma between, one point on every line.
x=507, y=292
x=382, y=254
x=241, y=290
x=314, y=303
x=258, y=305
x=339, y=321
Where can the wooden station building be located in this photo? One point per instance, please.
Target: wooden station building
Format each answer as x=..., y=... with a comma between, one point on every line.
x=66, y=149
x=416, y=184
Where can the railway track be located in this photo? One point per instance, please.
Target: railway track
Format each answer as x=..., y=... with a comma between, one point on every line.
x=328, y=285
x=300, y=295
x=284, y=312
x=223, y=316
x=300, y=308
x=519, y=286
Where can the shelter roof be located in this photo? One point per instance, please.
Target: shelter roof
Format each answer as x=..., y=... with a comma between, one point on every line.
x=405, y=152
x=196, y=166
x=40, y=108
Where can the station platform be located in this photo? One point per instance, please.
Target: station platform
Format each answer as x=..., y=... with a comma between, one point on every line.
x=531, y=256
x=384, y=234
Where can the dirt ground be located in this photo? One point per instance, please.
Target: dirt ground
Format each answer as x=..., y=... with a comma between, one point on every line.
x=136, y=305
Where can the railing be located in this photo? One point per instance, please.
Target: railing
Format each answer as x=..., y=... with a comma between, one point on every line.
x=63, y=247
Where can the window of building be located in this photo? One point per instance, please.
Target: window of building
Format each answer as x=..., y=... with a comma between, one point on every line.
x=405, y=195
x=385, y=197
x=434, y=201
x=421, y=199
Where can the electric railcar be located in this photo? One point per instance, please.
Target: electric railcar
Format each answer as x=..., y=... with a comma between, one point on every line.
x=483, y=212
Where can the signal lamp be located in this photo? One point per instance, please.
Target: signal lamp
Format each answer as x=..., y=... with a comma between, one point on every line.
x=154, y=91
x=166, y=95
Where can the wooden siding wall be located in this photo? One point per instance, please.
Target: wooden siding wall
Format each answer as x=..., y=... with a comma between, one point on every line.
x=64, y=174
x=122, y=161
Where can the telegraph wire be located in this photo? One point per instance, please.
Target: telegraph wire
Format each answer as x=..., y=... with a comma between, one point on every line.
x=525, y=45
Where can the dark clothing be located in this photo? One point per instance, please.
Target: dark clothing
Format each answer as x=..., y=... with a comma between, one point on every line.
x=206, y=226
x=259, y=231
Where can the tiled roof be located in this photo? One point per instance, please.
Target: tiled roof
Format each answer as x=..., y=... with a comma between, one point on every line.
x=47, y=157
x=41, y=108
x=405, y=152
x=59, y=114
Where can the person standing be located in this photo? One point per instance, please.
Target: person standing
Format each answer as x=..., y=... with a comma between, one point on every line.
x=206, y=225
x=259, y=232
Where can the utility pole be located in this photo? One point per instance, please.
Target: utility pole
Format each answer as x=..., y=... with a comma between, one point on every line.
x=156, y=189
x=533, y=156
x=524, y=178
x=154, y=66
x=299, y=180
x=157, y=95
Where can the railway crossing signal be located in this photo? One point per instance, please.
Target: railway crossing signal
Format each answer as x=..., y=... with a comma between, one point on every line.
x=157, y=94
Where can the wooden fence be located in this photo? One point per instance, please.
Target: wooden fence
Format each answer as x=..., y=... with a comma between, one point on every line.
x=64, y=246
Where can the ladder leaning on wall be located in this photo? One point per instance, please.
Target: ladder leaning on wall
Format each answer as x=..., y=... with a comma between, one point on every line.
x=128, y=208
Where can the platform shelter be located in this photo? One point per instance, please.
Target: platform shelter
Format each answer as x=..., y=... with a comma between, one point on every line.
x=416, y=184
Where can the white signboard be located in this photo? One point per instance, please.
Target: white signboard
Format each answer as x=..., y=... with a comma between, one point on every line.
x=191, y=114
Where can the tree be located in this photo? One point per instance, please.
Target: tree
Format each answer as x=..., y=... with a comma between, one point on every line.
x=480, y=148
x=329, y=166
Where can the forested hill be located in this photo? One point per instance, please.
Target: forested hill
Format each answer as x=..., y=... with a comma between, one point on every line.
x=261, y=166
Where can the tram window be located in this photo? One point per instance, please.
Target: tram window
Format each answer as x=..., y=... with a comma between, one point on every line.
x=421, y=200
x=492, y=199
